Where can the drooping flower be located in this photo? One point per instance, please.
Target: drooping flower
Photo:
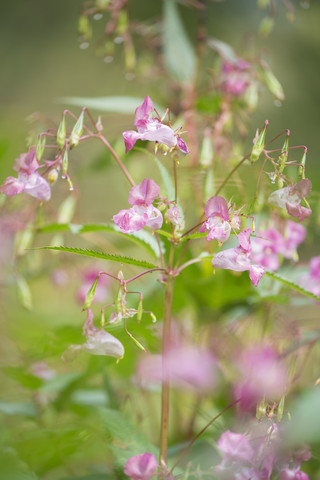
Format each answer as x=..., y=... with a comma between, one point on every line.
x=152, y=129
x=238, y=259
x=270, y=244
x=143, y=213
x=289, y=198
x=98, y=342
x=141, y=467
x=218, y=221
x=29, y=180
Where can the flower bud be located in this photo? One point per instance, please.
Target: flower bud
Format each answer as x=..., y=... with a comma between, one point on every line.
x=84, y=27
x=261, y=409
x=258, y=145
x=301, y=171
x=280, y=408
x=140, y=309
x=273, y=85
x=90, y=295
x=65, y=162
x=53, y=176
x=284, y=153
x=61, y=133
x=40, y=147
x=77, y=131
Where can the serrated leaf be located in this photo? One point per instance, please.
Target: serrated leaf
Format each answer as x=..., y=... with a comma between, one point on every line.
x=292, y=285
x=104, y=256
x=179, y=53
x=124, y=105
x=142, y=238
x=128, y=440
x=223, y=49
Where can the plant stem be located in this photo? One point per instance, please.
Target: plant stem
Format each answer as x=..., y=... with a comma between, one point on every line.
x=165, y=391
x=116, y=157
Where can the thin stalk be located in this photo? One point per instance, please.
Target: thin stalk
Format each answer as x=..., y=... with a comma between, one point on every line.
x=116, y=157
x=231, y=173
x=165, y=391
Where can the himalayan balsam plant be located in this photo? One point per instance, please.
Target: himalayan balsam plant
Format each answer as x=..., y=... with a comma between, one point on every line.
x=190, y=322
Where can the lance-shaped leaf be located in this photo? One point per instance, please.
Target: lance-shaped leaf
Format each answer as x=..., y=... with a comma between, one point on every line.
x=103, y=256
x=178, y=51
x=124, y=105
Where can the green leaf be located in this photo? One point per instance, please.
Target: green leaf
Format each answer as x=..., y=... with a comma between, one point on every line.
x=209, y=103
x=23, y=377
x=128, y=440
x=93, y=476
x=305, y=419
x=104, y=256
x=124, y=105
x=292, y=285
x=143, y=238
x=223, y=49
x=14, y=469
x=179, y=53
x=17, y=408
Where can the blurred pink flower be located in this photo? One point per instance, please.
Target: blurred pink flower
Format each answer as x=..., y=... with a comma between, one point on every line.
x=188, y=367
x=219, y=223
x=239, y=258
x=311, y=280
x=289, y=198
x=29, y=180
x=272, y=243
x=88, y=277
x=141, y=467
x=152, y=129
x=263, y=375
x=173, y=215
x=143, y=213
x=235, y=77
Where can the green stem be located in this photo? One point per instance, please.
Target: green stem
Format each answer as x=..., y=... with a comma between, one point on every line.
x=165, y=392
x=116, y=157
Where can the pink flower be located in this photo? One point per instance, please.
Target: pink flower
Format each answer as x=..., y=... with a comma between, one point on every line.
x=29, y=180
x=187, y=367
x=311, y=280
x=290, y=197
x=270, y=243
x=218, y=223
x=263, y=375
x=239, y=258
x=141, y=467
x=173, y=215
x=143, y=213
x=293, y=474
x=235, y=77
x=152, y=129
x=235, y=446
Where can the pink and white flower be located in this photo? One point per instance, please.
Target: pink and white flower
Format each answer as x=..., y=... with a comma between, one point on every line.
x=143, y=213
x=141, y=467
x=235, y=77
x=289, y=198
x=152, y=129
x=29, y=180
x=218, y=222
x=238, y=259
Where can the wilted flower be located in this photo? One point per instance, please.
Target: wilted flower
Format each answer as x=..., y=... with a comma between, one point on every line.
x=270, y=243
x=219, y=222
x=141, y=467
x=143, y=213
x=289, y=198
x=152, y=129
x=239, y=258
x=29, y=180
x=99, y=342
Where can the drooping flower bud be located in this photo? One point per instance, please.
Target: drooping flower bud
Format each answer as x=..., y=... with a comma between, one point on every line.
x=90, y=295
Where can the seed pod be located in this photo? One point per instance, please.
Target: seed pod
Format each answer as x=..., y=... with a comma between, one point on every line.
x=77, y=131
x=61, y=133
x=259, y=144
x=90, y=295
x=40, y=146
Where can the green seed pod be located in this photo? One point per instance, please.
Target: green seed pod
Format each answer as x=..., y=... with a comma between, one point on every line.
x=261, y=409
x=301, y=172
x=266, y=26
x=284, y=153
x=40, y=146
x=65, y=162
x=90, y=295
x=77, y=131
x=259, y=144
x=281, y=408
x=53, y=176
x=140, y=310
x=61, y=133
x=273, y=85
x=84, y=27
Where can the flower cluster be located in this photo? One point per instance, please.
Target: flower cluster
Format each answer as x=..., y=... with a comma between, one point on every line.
x=152, y=129
x=29, y=180
x=270, y=244
x=258, y=457
x=143, y=213
x=219, y=223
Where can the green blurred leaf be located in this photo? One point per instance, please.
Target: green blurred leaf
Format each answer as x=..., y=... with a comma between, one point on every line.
x=128, y=440
x=14, y=469
x=16, y=408
x=209, y=103
x=292, y=285
x=60, y=382
x=142, y=238
x=104, y=256
x=125, y=105
x=305, y=419
x=23, y=377
x=223, y=49
x=179, y=53
x=93, y=476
